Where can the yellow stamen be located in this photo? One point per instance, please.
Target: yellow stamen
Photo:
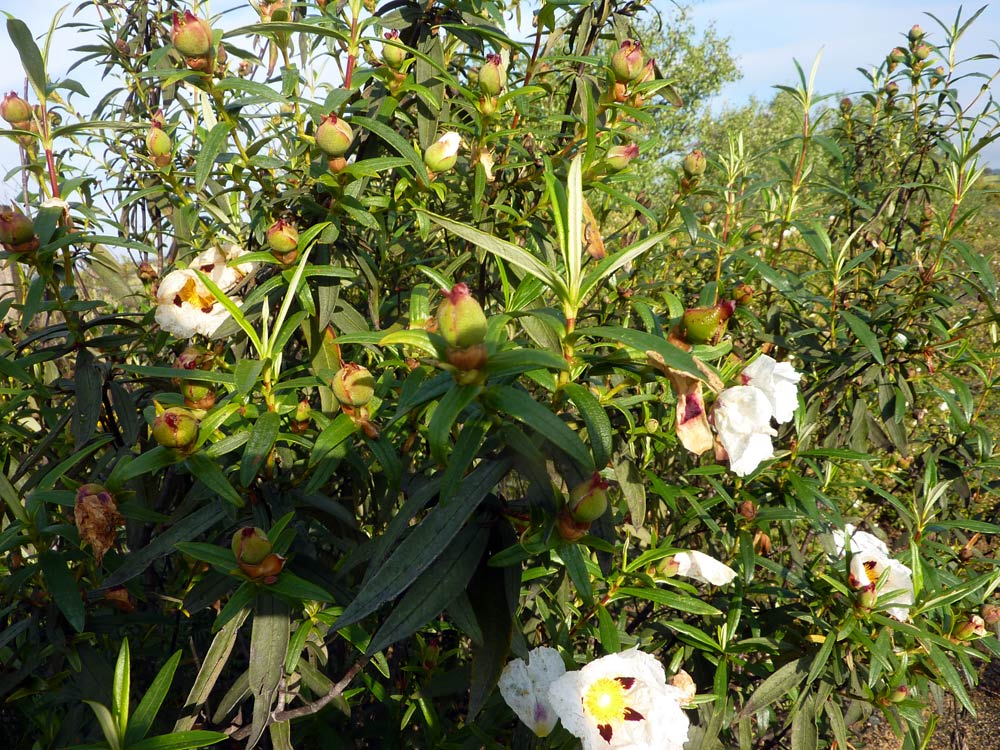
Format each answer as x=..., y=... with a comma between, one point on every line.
x=871, y=570
x=604, y=701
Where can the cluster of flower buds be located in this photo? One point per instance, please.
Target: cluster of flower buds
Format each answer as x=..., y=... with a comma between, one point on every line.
x=158, y=144
x=334, y=137
x=705, y=325
x=176, y=428
x=462, y=324
x=442, y=155
x=17, y=231
x=394, y=60
x=252, y=550
x=192, y=38
x=283, y=240
x=629, y=68
x=587, y=502
x=694, y=166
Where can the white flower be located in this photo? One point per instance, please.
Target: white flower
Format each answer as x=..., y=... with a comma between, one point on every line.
x=621, y=701
x=743, y=420
x=779, y=381
x=704, y=568
x=872, y=568
x=184, y=306
x=525, y=687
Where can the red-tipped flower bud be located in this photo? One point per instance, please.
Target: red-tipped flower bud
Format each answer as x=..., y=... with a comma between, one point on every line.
x=694, y=164
x=897, y=55
x=618, y=157
x=461, y=320
x=176, y=428
x=197, y=395
x=334, y=135
x=392, y=55
x=588, y=500
x=492, y=76
x=250, y=545
x=353, y=385
x=846, y=105
x=191, y=36
x=922, y=51
x=17, y=231
x=916, y=33
x=703, y=325
x=159, y=146
x=628, y=63
x=15, y=110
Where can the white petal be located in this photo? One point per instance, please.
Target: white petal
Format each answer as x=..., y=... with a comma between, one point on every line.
x=743, y=421
x=778, y=381
x=525, y=688
x=704, y=568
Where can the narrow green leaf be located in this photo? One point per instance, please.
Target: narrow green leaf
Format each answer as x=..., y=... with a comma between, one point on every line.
x=107, y=723
x=142, y=720
x=596, y=419
x=522, y=407
x=779, y=685
x=245, y=375
x=298, y=589
x=181, y=740
x=397, y=142
x=434, y=589
x=215, y=141
x=805, y=733
x=576, y=567
x=268, y=645
x=212, y=666
x=610, y=637
x=447, y=411
x=63, y=589
x=510, y=252
x=618, y=260
x=207, y=471
x=673, y=356
x=951, y=677
x=424, y=544
x=120, y=689
x=680, y=602
x=265, y=432
x=865, y=335
x=31, y=56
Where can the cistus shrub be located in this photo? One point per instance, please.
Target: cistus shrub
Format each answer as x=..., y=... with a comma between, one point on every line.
x=348, y=373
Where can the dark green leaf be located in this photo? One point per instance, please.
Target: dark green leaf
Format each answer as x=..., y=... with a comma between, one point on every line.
x=142, y=720
x=265, y=432
x=215, y=141
x=63, y=589
x=27, y=50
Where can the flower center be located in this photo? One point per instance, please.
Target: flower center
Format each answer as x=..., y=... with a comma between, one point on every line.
x=191, y=294
x=871, y=570
x=605, y=701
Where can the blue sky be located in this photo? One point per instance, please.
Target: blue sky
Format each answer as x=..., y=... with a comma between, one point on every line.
x=766, y=36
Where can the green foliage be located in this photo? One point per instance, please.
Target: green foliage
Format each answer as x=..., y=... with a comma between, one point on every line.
x=423, y=534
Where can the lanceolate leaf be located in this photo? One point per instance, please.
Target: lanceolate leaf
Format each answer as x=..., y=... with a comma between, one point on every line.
x=672, y=355
x=268, y=644
x=142, y=720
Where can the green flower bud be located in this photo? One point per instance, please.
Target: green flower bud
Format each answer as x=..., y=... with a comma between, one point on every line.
x=334, y=135
x=899, y=694
x=628, y=63
x=17, y=231
x=488, y=105
x=916, y=33
x=922, y=51
x=891, y=89
x=618, y=157
x=755, y=232
x=441, y=155
x=694, y=164
x=702, y=325
x=250, y=545
x=492, y=76
x=588, y=500
x=846, y=105
x=971, y=627
x=392, y=55
x=176, y=428
x=461, y=320
x=897, y=55
x=194, y=358
x=191, y=36
x=197, y=394
x=159, y=146
x=667, y=567
x=15, y=110
x=283, y=239
x=353, y=385
x=867, y=598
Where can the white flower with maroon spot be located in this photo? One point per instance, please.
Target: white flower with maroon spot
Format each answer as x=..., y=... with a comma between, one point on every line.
x=621, y=701
x=184, y=306
x=778, y=381
x=872, y=569
x=525, y=687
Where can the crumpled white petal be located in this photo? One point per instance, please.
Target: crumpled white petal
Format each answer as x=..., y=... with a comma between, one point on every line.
x=742, y=417
x=704, y=568
x=871, y=566
x=525, y=687
x=214, y=263
x=621, y=701
x=778, y=381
